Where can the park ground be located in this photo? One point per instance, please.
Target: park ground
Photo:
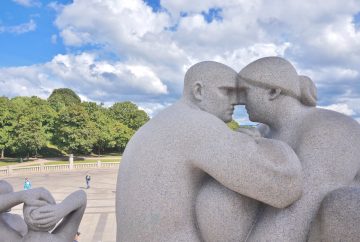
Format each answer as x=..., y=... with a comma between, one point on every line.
x=98, y=223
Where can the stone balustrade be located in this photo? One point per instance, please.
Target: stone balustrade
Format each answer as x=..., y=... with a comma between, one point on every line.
x=9, y=170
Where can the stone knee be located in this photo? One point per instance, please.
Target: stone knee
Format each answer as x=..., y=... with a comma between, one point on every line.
x=224, y=215
x=339, y=216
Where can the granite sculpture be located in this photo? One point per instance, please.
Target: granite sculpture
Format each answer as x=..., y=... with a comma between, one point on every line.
x=188, y=146
x=326, y=142
x=12, y=226
x=44, y=220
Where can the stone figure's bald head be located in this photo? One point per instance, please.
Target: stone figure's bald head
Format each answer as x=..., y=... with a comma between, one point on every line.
x=210, y=73
x=211, y=86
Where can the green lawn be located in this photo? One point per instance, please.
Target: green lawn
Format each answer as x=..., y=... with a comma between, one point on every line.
x=10, y=161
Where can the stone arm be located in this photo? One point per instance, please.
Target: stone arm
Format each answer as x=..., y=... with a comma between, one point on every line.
x=325, y=168
x=73, y=208
x=266, y=170
x=9, y=200
x=33, y=197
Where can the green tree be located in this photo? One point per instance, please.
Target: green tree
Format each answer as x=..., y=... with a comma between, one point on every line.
x=233, y=125
x=6, y=124
x=129, y=114
x=45, y=113
x=121, y=135
x=63, y=97
x=28, y=135
x=32, y=121
x=74, y=131
x=102, y=122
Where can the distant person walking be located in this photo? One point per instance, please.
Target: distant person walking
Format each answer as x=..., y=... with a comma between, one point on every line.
x=27, y=184
x=87, y=178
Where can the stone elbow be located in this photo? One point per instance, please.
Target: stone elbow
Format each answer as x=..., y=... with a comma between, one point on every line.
x=290, y=192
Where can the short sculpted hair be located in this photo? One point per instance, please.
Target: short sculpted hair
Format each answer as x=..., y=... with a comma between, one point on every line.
x=209, y=73
x=276, y=72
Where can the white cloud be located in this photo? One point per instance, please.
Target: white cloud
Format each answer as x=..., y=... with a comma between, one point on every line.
x=331, y=75
x=28, y=3
x=19, y=29
x=152, y=108
x=152, y=50
x=341, y=108
x=94, y=80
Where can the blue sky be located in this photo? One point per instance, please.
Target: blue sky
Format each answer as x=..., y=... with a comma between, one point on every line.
x=115, y=50
x=31, y=46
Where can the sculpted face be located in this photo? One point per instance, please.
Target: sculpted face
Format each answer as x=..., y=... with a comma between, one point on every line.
x=256, y=101
x=220, y=101
x=211, y=86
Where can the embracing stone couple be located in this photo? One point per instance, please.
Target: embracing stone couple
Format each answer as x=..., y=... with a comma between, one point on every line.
x=185, y=176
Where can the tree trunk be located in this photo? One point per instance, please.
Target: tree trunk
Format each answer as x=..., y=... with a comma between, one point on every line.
x=2, y=153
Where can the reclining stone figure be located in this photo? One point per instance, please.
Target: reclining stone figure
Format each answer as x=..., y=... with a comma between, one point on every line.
x=41, y=215
x=12, y=226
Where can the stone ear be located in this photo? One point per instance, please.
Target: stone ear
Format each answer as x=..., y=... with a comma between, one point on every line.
x=274, y=93
x=198, y=91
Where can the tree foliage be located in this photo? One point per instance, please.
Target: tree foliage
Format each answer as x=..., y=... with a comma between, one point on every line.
x=129, y=114
x=28, y=136
x=63, y=97
x=29, y=125
x=121, y=135
x=73, y=131
x=6, y=124
x=233, y=125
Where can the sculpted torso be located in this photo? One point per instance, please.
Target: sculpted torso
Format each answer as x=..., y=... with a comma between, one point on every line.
x=327, y=144
x=157, y=191
x=166, y=180
x=328, y=164
x=171, y=157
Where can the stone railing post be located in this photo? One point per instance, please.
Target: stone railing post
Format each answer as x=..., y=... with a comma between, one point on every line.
x=71, y=161
x=9, y=170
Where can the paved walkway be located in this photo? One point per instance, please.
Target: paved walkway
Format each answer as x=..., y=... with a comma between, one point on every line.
x=98, y=223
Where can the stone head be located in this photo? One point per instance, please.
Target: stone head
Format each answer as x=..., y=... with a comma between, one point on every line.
x=270, y=80
x=211, y=86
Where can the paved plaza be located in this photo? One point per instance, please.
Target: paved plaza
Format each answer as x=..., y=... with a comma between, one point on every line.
x=98, y=223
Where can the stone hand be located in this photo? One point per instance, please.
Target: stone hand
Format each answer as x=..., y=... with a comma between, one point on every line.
x=38, y=197
x=47, y=216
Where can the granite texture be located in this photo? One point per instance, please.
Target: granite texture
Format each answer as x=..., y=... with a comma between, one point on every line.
x=41, y=215
x=177, y=160
x=338, y=218
x=326, y=142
